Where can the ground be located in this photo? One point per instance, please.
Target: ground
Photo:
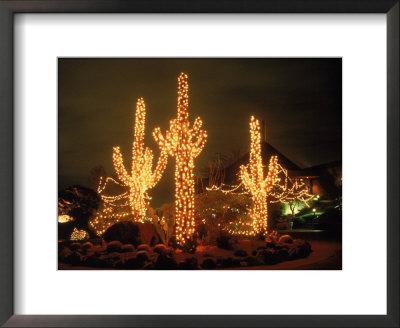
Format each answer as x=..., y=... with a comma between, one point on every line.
x=326, y=255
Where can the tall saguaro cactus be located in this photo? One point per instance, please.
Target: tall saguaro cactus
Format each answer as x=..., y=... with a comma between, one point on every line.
x=252, y=176
x=141, y=178
x=184, y=144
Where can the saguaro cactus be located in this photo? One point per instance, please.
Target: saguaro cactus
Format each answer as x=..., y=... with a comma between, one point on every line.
x=141, y=178
x=184, y=144
x=252, y=176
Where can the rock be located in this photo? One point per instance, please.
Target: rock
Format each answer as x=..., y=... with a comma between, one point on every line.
x=143, y=255
x=75, y=246
x=286, y=239
x=165, y=262
x=126, y=232
x=190, y=263
x=127, y=248
x=209, y=264
x=114, y=246
x=160, y=249
x=87, y=245
x=240, y=253
x=144, y=247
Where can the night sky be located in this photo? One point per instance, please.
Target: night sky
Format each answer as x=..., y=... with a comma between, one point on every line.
x=300, y=100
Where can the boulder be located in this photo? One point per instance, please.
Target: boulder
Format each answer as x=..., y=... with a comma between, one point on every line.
x=160, y=249
x=286, y=239
x=87, y=245
x=143, y=255
x=114, y=246
x=127, y=248
x=144, y=247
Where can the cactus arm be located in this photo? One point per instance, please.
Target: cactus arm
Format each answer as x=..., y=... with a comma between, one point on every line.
x=159, y=138
x=160, y=167
x=271, y=178
x=195, y=131
x=197, y=147
x=247, y=181
x=119, y=166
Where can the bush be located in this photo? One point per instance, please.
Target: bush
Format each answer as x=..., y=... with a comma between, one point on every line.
x=126, y=232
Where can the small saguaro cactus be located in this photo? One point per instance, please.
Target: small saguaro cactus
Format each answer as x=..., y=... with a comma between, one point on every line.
x=185, y=144
x=252, y=176
x=141, y=178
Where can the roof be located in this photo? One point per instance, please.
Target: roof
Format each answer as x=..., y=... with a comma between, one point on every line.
x=267, y=150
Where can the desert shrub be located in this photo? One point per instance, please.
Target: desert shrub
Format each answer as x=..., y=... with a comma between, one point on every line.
x=80, y=203
x=126, y=232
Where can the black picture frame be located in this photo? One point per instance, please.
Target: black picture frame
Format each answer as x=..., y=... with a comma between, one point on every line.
x=10, y=7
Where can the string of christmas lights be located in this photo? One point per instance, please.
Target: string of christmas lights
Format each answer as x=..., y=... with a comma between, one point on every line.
x=252, y=176
x=133, y=203
x=79, y=235
x=184, y=144
x=290, y=190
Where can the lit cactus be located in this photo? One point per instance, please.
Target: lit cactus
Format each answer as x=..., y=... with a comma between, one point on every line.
x=184, y=144
x=141, y=178
x=252, y=176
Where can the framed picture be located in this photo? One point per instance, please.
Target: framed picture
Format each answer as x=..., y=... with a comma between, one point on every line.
x=188, y=169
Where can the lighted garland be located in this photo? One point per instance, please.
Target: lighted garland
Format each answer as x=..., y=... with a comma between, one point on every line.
x=141, y=178
x=289, y=190
x=131, y=204
x=79, y=235
x=184, y=144
x=252, y=176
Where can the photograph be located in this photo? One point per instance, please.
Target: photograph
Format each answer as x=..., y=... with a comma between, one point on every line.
x=199, y=163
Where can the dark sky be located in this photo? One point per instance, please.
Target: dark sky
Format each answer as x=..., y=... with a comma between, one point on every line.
x=300, y=100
